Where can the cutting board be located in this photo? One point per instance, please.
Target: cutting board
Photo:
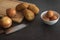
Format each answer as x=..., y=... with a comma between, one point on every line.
x=10, y=4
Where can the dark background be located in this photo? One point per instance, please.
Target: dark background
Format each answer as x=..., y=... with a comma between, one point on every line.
x=37, y=30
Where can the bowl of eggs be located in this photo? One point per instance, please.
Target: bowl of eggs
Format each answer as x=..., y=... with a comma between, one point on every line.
x=50, y=17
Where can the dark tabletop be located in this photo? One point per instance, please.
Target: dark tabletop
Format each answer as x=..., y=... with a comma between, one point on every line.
x=37, y=30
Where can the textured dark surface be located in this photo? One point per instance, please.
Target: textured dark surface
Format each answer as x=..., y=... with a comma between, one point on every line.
x=37, y=30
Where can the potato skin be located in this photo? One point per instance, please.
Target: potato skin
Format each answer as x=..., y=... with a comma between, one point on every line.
x=6, y=22
x=33, y=8
x=11, y=12
x=18, y=18
x=29, y=15
x=22, y=6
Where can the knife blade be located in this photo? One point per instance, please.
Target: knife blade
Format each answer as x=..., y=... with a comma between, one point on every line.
x=14, y=29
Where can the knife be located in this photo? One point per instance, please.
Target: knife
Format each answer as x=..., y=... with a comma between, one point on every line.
x=14, y=29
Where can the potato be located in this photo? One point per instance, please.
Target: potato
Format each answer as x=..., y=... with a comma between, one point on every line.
x=29, y=15
x=11, y=12
x=33, y=8
x=22, y=6
x=6, y=22
x=50, y=13
x=18, y=18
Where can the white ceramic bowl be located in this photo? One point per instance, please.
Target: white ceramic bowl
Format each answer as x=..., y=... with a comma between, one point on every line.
x=49, y=22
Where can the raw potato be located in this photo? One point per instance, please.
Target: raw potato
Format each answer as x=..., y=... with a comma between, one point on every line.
x=22, y=6
x=18, y=18
x=29, y=15
x=50, y=13
x=11, y=12
x=6, y=22
x=33, y=8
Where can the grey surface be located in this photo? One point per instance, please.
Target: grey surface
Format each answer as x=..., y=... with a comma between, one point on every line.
x=37, y=30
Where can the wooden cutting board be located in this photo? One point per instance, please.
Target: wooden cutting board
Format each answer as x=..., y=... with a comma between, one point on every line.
x=7, y=4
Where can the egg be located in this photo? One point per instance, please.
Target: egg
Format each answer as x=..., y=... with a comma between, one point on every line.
x=11, y=12
x=50, y=13
x=45, y=18
x=54, y=17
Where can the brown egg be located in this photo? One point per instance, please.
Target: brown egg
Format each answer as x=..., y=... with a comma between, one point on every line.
x=45, y=18
x=11, y=12
x=50, y=13
x=53, y=17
